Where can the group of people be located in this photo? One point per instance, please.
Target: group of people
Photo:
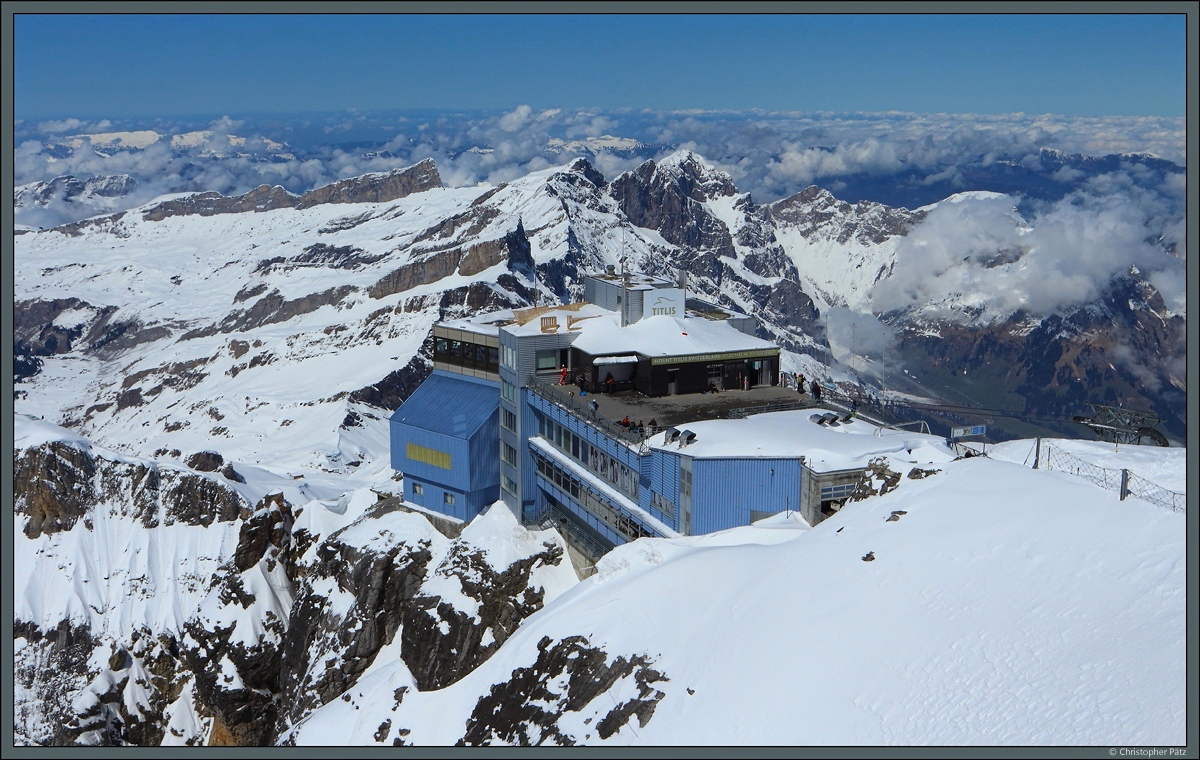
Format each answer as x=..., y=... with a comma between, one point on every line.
x=814, y=387
x=815, y=392
x=581, y=380
x=640, y=427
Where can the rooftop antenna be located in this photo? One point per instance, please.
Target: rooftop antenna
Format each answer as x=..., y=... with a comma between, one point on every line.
x=624, y=284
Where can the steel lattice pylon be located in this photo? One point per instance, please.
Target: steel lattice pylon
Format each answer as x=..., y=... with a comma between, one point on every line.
x=1119, y=425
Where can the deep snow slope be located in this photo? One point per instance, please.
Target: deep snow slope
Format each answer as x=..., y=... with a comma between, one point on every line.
x=984, y=604
x=157, y=604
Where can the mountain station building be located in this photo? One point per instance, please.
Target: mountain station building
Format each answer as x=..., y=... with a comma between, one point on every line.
x=638, y=412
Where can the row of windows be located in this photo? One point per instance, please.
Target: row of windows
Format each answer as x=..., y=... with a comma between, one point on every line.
x=427, y=455
x=508, y=484
x=466, y=354
x=508, y=419
x=419, y=490
x=509, y=454
x=508, y=357
x=591, y=457
x=508, y=391
x=618, y=521
x=661, y=507
x=831, y=493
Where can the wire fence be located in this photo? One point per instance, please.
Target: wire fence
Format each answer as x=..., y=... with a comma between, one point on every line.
x=1155, y=494
x=1122, y=481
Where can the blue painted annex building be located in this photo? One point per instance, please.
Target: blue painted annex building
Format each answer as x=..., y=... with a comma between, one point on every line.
x=444, y=440
x=525, y=406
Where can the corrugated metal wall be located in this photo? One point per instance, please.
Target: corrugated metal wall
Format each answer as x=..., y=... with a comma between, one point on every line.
x=465, y=507
x=725, y=490
x=484, y=446
x=662, y=470
x=602, y=293
x=458, y=477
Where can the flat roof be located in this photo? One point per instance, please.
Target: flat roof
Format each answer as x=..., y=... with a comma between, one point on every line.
x=792, y=434
x=527, y=321
x=474, y=401
x=663, y=336
x=483, y=324
x=637, y=280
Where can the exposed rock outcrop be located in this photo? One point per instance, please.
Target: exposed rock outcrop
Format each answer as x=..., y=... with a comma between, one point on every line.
x=369, y=188
x=525, y=710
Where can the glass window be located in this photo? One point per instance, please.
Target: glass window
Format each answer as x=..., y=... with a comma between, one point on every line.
x=441, y=346
x=547, y=359
x=508, y=419
x=508, y=357
x=493, y=357
x=509, y=485
x=418, y=489
x=508, y=391
x=510, y=454
x=456, y=349
x=447, y=498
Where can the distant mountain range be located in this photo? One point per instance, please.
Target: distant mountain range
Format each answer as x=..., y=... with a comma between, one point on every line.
x=402, y=243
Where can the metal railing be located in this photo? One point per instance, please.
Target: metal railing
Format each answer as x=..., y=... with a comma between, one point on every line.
x=924, y=427
x=1123, y=481
x=828, y=398
x=552, y=516
x=558, y=396
x=743, y=412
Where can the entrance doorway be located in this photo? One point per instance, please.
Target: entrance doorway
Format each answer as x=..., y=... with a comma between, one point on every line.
x=672, y=378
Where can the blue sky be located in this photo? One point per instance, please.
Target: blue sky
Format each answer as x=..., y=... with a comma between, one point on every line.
x=120, y=66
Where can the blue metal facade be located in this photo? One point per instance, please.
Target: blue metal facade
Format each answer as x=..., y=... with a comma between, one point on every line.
x=724, y=491
x=475, y=437
x=453, y=419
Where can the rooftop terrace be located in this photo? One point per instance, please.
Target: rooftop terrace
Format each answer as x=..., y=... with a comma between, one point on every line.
x=667, y=411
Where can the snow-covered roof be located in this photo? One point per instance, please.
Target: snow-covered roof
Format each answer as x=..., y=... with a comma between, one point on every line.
x=483, y=324
x=793, y=434
x=664, y=336
x=637, y=280
x=568, y=318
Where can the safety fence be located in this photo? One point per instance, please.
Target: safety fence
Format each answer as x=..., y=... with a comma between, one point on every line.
x=1122, y=481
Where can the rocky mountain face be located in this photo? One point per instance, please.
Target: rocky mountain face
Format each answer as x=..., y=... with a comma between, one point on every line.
x=202, y=616
x=1126, y=350
x=73, y=197
x=369, y=188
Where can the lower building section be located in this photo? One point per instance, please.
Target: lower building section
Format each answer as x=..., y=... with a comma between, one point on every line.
x=463, y=505
x=444, y=439
x=561, y=486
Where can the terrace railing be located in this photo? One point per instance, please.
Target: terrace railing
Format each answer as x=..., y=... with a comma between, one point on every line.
x=562, y=398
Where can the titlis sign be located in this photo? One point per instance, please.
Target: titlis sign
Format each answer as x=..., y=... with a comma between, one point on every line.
x=663, y=302
x=968, y=432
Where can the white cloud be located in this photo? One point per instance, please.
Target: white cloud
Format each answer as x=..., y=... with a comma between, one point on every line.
x=516, y=118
